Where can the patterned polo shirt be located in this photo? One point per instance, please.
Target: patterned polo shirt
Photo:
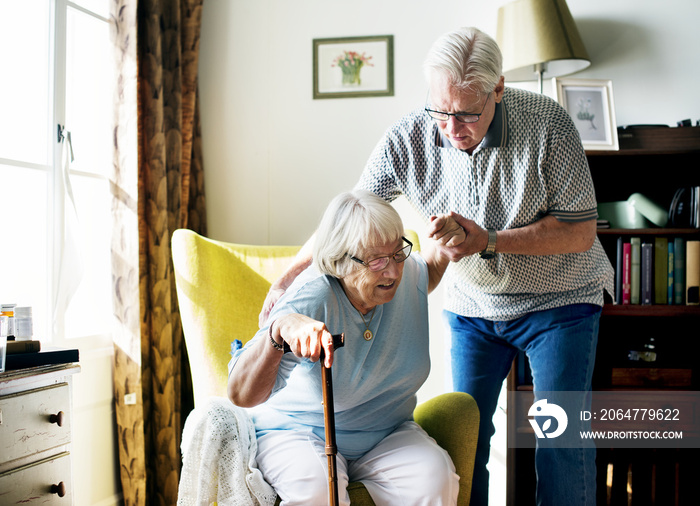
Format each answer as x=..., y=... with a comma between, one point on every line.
x=529, y=165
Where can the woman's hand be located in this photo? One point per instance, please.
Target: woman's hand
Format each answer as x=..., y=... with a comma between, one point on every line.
x=446, y=231
x=458, y=236
x=253, y=377
x=306, y=337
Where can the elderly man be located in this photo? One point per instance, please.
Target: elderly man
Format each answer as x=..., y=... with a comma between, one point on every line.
x=510, y=168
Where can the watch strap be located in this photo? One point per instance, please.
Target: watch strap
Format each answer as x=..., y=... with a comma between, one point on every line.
x=490, y=250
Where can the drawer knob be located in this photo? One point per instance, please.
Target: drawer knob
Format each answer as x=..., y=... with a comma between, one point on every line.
x=59, y=489
x=57, y=419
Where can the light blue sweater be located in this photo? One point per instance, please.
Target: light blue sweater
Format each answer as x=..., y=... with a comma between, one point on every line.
x=374, y=382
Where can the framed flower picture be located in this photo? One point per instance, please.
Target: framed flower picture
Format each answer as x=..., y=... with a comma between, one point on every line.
x=353, y=67
x=590, y=104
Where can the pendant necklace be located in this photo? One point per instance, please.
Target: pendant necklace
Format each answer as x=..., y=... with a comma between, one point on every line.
x=368, y=333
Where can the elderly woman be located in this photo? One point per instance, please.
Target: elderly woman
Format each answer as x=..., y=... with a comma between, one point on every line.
x=365, y=283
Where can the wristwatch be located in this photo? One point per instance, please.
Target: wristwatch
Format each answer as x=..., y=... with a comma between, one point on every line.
x=490, y=250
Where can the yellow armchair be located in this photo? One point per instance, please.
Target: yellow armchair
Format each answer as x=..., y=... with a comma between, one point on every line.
x=221, y=287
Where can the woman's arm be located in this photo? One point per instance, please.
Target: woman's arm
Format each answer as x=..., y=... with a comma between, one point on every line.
x=437, y=262
x=254, y=375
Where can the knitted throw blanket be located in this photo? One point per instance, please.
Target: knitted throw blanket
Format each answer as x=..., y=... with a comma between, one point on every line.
x=218, y=449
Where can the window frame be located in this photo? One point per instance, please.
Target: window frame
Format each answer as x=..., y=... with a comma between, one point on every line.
x=53, y=331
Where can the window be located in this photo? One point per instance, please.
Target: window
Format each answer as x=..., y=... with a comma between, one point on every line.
x=57, y=85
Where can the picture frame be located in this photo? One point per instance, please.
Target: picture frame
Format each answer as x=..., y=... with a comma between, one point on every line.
x=351, y=67
x=590, y=104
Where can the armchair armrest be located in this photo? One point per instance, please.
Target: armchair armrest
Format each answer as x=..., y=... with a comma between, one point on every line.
x=452, y=419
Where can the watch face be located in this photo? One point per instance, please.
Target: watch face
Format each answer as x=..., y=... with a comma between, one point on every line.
x=486, y=255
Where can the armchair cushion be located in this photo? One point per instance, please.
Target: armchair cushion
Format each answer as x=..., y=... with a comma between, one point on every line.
x=220, y=288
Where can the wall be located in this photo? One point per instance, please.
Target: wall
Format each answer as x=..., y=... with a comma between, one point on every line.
x=263, y=130
x=274, y=157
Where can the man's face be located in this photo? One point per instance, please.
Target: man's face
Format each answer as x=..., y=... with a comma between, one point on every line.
x=445, y=98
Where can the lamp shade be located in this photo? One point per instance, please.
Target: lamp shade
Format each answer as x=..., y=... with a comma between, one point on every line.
x=539, y=39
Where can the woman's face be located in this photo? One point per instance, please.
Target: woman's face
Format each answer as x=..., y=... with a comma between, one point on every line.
x=367, y=289
x=445, y=98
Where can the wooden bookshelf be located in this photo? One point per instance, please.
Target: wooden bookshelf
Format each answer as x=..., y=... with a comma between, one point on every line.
x=651, y=311
x=654, y=162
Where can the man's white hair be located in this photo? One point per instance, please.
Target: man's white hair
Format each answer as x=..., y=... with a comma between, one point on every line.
x=469, y=58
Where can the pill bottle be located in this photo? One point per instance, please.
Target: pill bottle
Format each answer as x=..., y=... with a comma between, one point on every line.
x=24, y=328
x=3, y=341
x=9, y=311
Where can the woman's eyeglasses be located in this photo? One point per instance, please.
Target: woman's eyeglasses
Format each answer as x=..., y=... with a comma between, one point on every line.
x=377, y=264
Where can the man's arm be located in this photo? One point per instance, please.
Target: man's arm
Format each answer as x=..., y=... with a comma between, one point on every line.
x=547, y=236
x=301, y=261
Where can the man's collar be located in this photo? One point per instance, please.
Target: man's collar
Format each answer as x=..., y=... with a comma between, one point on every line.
x=496, y=136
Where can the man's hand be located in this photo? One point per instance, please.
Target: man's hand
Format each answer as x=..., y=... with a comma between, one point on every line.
x=301, y=261
x=270, y=300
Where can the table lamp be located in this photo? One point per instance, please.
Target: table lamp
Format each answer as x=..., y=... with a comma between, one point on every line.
x=539, y=39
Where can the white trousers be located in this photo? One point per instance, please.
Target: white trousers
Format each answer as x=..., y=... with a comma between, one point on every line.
x=405, y=468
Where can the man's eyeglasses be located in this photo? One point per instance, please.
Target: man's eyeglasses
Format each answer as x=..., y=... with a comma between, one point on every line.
x=377, y=264
x=462, y=117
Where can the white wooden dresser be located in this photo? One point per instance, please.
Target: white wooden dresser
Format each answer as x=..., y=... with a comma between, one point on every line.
x=36, y=411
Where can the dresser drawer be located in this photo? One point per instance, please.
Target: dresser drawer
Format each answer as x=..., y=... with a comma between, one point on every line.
x=47, y=481
x=34, y=421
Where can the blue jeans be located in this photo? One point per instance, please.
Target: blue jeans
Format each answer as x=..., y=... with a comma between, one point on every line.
x=560, y=345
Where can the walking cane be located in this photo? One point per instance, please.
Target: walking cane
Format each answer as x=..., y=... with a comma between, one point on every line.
x=329, y=419
x=329, y=422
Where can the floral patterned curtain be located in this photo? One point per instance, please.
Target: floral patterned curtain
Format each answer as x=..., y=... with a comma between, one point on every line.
x=157, y=186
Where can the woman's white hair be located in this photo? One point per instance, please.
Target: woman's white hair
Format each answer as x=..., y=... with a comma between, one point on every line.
x=468, y=57
x=353, y=222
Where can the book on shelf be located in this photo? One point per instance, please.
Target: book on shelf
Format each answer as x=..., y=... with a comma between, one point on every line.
x=660, y=270
x=692, y=273
x=626, y=273
x=635, y=269
x=671, y=268
x=618, y=270
x=657, y=270
x=647, y=282
x=679, y=271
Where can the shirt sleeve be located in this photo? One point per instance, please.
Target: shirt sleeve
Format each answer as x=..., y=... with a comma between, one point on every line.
x=570, y=185
x=378, y=175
